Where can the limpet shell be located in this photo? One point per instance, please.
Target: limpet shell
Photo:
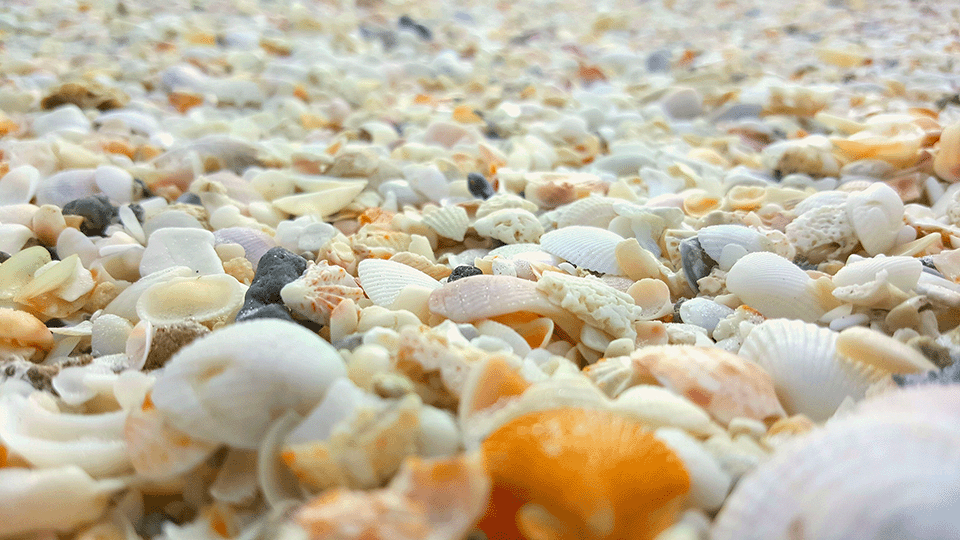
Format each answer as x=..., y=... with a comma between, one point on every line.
x=237, y=366
x=209, y=300
x=587, y=247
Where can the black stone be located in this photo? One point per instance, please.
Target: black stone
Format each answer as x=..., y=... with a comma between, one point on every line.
x=280, y=259
x=945, y=376
x=696, y=263
x=137, y=211
x=479, y=186
x=190, y=198
x=4, y=256
x=407, y=23
x=269, y=311
x=96, y=211
x=462, y=271
x=55, y=323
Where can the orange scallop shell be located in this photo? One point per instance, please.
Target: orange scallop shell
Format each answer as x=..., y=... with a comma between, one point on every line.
x=580, y=474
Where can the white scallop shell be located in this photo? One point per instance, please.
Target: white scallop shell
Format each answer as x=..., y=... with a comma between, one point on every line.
x=207, y=384
x=809, y=375
x=876, y=214
x=860, y=478
x=587, y=247
x=448, y=221
x=901, y=272
x=208, y=299
x=726, y=244
x=26, y=496
x=384, y=280
x=593, y=211
x=775, y=287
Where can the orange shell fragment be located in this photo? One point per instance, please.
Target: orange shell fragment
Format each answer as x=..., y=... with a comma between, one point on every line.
x=580, y=474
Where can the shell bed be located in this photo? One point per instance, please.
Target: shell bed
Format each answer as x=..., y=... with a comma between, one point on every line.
x=467, y=270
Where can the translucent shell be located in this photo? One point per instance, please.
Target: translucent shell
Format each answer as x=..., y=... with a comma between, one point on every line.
x=625, y=484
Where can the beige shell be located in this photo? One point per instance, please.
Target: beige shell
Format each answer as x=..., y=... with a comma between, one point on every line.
x=58, y=289
x=593, y=211
x=724, y=384
x=320, y=289
x=501, y=201
x=659, y=407
x=325, y=197
x=209, y=300
x=823, y=233
x=876, y=215
x=587, y=247
x=510, y=226
x=448, y=221
x=947, y=161
x=415, y=260
x=596, y=303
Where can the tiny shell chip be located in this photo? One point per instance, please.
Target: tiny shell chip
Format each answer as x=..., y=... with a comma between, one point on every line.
x=209, y=300
x=588, y=247
x=231, y=384
x=329, y=198
x=383, y=280
x=510, y=226
x=320, y=289
x=448, y=221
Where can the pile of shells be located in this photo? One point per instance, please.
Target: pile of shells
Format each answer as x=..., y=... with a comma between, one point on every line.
x=664, y=270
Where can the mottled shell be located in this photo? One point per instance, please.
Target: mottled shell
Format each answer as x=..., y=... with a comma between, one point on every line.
x=320, y=289
x=587, y=247
x=727, y=243
x=510, y=226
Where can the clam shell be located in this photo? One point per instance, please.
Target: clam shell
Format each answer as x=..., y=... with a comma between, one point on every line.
x=593, y=211
x=587, y=247
x=255, y=243
x=727, y=243
x=775, y=287
x=207, y=299
x=125, y=304
x=237, y=367
x=810, y=377
x=324, y=199
x=181, y=246
x=860, y=478
x=876, y=214
x=448, y=221
x=383, y=280
x=901, y=272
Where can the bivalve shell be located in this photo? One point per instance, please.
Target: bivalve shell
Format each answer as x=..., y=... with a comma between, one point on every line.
x=587, y=247
x=726, y=244
x=876, y=215
x=209, y=300
x=383, y=280
x=319, y=291
x=448, y=221
x=775, y=287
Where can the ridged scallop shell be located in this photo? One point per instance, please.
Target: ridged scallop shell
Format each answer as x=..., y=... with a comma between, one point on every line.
x=658, y=407
x=864, y=477
x=876, y=215
x=208, y=299
x=810, y=377
x=238, y=368
x=902, y=272
x=383, y=280
x=591, y=248
x=726, y=244
x=320, y=289
x=255, y=243
x=775, y=287
x=415, y=260
x=594, y=211
x=448, y=221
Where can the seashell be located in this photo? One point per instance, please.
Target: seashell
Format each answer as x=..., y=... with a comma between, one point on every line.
x=33, y=430
x=425, y=265
x=508, y=335
x=599, y=304
x=695, y=262
x=114, y=182
x=14, y=236
x=823, y=233
x=383, y=280
x=341, y=442
x=776, y=287
x=810, y=376
x=725, y=385
x=704, y=313
x=588, y=247
x=159, y=451
x=26, y=495
x=552, y=189
x=19, y=185
x=235, y=366
x=179, y=246
x=326, y=197
x=902, y=272
x=320, y=289
x=22, y=334
x=208, y=299
x=709, y=484
x=860, y=477
x=448, y=221
x=432, y=499
x=255, y=243
x=658, y=407
x=63, y=187
x=876, y=214
x=58, y=289
x=727, y=243
x=946, y=163
x=527, y=473
x=502, y=201
x=593, y=211
x=109, y=335
x=881, y=351
x=652, y=296
x=510, y=226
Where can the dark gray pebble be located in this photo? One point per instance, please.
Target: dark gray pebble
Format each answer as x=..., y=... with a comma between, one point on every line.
x=479, y=186
x=96, y=211
x=261, y=311
x=462, y=271
x=696, y=263
x=947, y=375
x=407, y=23
x=190, y=198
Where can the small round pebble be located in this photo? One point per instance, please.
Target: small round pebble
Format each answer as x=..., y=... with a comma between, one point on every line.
x=462, y=271
x=96, y=212
x=479, y=186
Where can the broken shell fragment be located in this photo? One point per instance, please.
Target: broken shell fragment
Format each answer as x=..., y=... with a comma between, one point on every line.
x=209, y=300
